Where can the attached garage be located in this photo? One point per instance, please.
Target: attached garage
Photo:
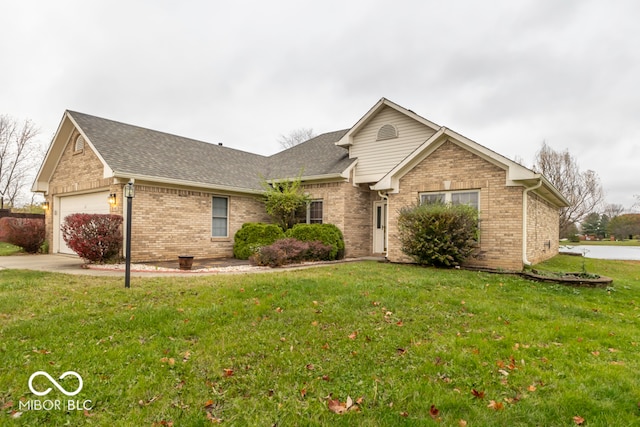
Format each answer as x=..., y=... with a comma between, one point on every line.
x=92, y=203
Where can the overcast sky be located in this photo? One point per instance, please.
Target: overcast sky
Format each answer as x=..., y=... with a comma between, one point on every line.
x=508, y=74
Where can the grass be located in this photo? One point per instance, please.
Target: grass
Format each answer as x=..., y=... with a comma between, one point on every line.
x=8, y=249
x=410, y=344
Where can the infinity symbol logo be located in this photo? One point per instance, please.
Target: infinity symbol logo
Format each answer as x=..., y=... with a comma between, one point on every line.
x=55, y=383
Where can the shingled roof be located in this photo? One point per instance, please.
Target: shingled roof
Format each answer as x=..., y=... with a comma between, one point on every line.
x=136, y=151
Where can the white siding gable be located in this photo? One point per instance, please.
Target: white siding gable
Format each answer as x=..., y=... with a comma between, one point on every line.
x=377, y=157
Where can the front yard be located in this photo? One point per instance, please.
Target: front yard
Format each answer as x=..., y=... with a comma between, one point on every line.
x=405, y=345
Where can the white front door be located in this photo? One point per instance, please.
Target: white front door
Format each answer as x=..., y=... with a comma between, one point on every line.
x=380, y=227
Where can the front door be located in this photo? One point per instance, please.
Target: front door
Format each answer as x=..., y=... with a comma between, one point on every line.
x=380, y=227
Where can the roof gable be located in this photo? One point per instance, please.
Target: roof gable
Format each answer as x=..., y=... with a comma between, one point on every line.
x=347, y=139
x=516, y=173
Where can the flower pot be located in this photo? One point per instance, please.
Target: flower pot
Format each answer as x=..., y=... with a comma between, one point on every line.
x=185, y=261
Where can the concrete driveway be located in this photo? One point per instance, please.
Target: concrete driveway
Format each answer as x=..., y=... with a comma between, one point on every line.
x=69, y=264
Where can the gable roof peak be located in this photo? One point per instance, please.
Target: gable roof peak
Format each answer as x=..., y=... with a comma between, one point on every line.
x=347, y=139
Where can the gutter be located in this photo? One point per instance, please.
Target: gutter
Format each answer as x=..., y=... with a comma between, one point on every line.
x=525, y=193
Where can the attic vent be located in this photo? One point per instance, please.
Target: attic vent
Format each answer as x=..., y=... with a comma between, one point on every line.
x=387, y=132
x=79, y=146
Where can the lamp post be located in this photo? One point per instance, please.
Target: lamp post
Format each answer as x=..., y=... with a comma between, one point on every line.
x=129, y=194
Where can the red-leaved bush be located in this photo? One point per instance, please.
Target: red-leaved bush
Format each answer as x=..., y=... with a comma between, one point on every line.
x=289, y=251
x=27, y=233
x=94, y=237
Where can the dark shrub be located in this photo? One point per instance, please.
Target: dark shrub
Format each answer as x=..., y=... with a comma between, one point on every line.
x=94, y=237
x=252, y=236
x=438, y=234
x=328, y=234
x=26, y=233
x=289, y=251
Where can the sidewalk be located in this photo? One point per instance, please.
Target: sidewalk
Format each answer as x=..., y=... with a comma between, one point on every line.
x=72, y=264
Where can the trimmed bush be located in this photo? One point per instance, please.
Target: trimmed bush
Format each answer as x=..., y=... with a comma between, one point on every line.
x=254, y=235
x=437, y=234
x=328, y=234
x=26, y=233
x=94, y=237
x=290, y=251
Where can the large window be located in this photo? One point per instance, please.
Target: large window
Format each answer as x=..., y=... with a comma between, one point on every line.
x=471, y=198
x=220, y=216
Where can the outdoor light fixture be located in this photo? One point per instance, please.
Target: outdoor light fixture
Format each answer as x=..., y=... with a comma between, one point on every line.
x=45, y=206
x=129, y=193
x=112, y=199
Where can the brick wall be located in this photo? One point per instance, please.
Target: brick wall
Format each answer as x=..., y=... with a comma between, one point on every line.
x=167, y=222
x=543, y=229
x=349, y=208
x=500, y=206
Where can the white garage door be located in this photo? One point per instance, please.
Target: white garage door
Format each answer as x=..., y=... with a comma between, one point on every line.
x=93, y=203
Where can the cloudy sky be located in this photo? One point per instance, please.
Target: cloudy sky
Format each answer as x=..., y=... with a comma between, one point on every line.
x=508, y=74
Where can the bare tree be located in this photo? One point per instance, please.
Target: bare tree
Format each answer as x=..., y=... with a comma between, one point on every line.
x=582, y=189
x=19, y=154
x=613, y=210
x=295, y=137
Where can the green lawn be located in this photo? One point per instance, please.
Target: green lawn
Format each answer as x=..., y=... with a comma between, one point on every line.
x=8, y=249
x=413, y=346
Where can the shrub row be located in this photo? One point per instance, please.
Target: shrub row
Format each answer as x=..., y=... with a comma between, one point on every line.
x=290, y=251
x=26, y=233
x=254, y=237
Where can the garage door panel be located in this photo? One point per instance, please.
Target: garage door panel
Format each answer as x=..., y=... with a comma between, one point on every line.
x=93, y=203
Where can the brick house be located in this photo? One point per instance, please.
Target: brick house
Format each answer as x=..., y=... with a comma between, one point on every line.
x=191, y=197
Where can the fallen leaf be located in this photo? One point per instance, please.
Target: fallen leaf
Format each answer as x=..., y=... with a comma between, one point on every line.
x=404, y=414
x=477, y=394
x=310, y=366
x=279, y=310
x=578, y=420
x=399, y=323
x=186, y=355
x=503, y=372
x=7, y=405
x=400, y=351
x=228, y=372
x=434, y=412
x=16, y=414
x=303, y=392
x=88, y=414
x=595, y=353
x=353, y=335
x=531, y=388
x=496, y=406
x=336, y=406
x=462, y=423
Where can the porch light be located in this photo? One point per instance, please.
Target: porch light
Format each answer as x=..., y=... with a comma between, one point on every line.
x=45, y=205
x=112, y=199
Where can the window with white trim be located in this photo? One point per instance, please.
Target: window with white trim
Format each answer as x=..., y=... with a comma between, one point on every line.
x=471, y=198
x=219, y=216
x=314, y=212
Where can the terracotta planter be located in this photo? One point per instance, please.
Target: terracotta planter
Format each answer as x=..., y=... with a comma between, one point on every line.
x=185, y=261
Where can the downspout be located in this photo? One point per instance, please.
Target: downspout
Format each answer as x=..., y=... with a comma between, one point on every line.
x=385, y=196
x=525, y=260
